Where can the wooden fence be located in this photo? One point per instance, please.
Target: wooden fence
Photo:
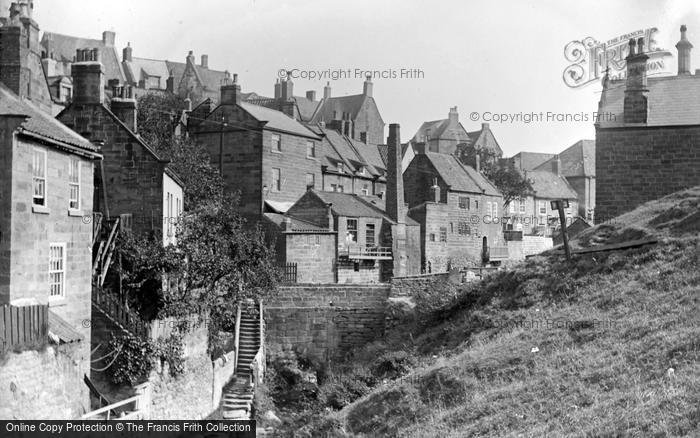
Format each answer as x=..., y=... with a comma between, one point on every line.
x=24, y=325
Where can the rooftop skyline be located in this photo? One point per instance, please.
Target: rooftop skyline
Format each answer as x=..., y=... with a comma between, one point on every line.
x=482, y=57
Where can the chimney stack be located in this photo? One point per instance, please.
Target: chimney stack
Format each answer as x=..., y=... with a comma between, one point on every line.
x=556, y=166
x=327, y=91
x=368, y=86
x=435, y=191
x=311, y=95
x=453, y=115
x=684, y=47
x=190, y=58
x=230, y=90
x=395, y=206
x=287, y=224
x=287, y=88
x=278, y=89
x=126, y=53
x=88, y=77
x=635, y=103
x=170, y=83
x=108, y=38
x=477, y=161
x=124, y=105
x=205, y=61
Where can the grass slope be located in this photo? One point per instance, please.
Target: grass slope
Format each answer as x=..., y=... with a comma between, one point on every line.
x=608, y=345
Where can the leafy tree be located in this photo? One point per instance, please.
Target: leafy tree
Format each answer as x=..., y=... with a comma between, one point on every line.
x=157, y=118
x=510, y=181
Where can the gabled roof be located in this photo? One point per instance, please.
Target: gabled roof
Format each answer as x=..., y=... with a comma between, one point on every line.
x=137, y=68
x=460, y=177
x=481, y=138
x=277, y=120
x=530, y=160
x=672, y=101
x=41, y=125
x=63, y=48
x=577, y=160
x=443, y=130
x=211, y=79
x=548, y=185
x=334, y=107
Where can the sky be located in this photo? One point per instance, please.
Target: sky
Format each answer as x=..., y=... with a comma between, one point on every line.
x=492, y=59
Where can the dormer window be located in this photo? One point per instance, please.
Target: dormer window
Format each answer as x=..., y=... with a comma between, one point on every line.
x=361, y=171
x=341, y=168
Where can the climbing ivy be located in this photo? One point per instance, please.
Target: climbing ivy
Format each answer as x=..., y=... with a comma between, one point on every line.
x=136, y=357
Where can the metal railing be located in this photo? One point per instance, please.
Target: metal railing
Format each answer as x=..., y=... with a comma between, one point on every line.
x=114, y=309
x=368, y=252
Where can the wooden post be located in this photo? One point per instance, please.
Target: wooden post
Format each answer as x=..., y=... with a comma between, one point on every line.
x=562, y=221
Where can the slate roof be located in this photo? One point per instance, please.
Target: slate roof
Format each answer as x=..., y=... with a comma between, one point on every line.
x=576, y=160
x=64, y=47
x=548, y=185
x=530, y=160
x=39, y=123
x=277, y=120
x=349, y=204
x=672, y=100
x=460, y=177
x=297, y=224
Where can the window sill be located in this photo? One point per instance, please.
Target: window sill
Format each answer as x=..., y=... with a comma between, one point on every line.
x=40, y=209
x=276, y=152
x=312, y=158
x=75, y=213
x=57, y=301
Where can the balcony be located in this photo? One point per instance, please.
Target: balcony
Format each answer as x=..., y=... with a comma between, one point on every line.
x=360, y=252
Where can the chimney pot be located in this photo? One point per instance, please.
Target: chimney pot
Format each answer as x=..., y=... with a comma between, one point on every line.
x=327, y=91
x=205, y=61
x=127, y=53
x=453, y=116
x=368, y=86
x=684, y=46
x=311, y=95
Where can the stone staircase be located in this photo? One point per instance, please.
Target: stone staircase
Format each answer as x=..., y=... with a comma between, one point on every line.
x=237, y=400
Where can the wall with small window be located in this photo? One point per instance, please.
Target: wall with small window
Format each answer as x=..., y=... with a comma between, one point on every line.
x=290, y=163
x=358, y=231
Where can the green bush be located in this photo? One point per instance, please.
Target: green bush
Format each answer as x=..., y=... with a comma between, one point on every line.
x=392, y=364
x=133, y=362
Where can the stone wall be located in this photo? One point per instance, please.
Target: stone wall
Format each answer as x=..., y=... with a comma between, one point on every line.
x=223, y=370
x=189, y=395
x=325, y=321
x=530, y=245
x=42, y=385
x=409, y=285
x=638, y=164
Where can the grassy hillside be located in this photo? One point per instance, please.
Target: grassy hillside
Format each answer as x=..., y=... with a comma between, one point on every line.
x=607, y=345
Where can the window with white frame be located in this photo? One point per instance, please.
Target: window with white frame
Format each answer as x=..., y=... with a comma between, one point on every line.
x=542, y=207
x=276, y=143
x=310, y=149
x=352, y=230
x=369, y=235
x=512, y=206
x=57, y=270
x=522, y=205
x=74, y=184
x=341, y=168
x=39, y=177
x=310, y=180
x=365, y=189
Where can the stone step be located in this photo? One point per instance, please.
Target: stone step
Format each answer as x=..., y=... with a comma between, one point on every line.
x=237, y=414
